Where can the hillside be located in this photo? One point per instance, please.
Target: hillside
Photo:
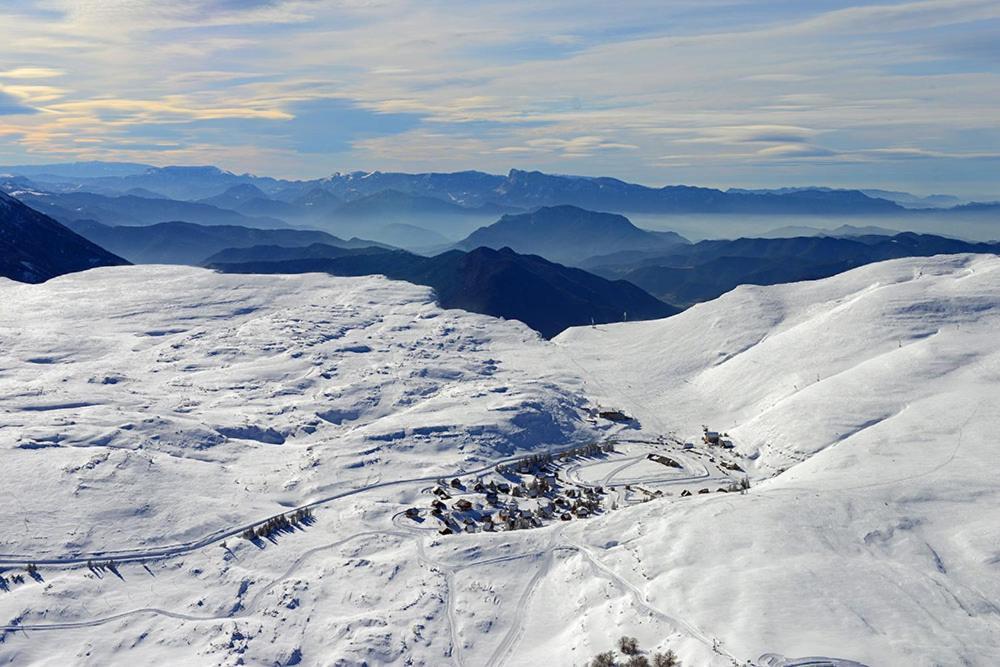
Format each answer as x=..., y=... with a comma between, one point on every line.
x=187, y=243
x=547, y=297
x=707, y=269
x=35, y=248
x=876, y=391
x=568, y=234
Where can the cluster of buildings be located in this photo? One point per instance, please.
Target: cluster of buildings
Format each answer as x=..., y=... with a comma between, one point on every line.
x=715, y=439
x=529, y=499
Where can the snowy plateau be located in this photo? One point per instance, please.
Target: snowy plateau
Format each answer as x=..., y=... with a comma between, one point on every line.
x=150, y=416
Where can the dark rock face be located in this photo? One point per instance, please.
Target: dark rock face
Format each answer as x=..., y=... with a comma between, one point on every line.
x=34, y=247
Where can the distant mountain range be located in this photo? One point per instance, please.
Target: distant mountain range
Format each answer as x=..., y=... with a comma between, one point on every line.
x=568, y=234
x=481, y=193
x=904, y=199
x=34, y=247
x=843, y=231
x=187, y=243
x=276, y=253
x=705, y=270
x=546, y=296
x=134, y=210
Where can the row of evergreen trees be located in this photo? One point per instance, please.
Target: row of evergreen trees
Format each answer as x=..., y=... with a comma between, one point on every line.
x=276, y=524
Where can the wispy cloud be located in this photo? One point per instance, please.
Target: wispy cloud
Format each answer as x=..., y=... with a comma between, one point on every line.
x=702, y=91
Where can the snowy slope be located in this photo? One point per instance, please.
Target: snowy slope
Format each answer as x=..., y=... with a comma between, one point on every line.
x=210, y=398
x=158, y=421
x=878, y=389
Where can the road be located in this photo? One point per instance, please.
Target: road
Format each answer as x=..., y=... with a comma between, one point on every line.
x=402, y=528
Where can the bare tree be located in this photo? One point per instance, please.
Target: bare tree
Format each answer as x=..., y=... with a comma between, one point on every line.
x=606, y=659
x=628, y=645
x=668, y=659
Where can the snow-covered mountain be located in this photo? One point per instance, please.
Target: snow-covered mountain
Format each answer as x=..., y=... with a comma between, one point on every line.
x=196, y=404
x=877, y=391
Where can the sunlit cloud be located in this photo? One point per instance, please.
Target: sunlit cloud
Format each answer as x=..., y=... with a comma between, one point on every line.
x=695, y=91
x=30, y=73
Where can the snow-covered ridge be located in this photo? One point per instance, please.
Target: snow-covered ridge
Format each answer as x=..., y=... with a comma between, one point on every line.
x=879, y=390
x=849, y=351
x=208, y=399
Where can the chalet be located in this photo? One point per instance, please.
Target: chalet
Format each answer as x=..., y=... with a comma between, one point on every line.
x=712, y=437
x=565, y=516
x=703, y=491
x=516, y=492
x=446, y=531
x=727, y=444
x=441, y=493
x=439, y=506
x=488, y=522
x=685, y=493
x=572, y=493
x=722, y=489
x=412, y=513
x=599, y=489
x=503, y=487
x=479, y=487
x=536, y=522
x=456, y=483
x=463, y=505
x=688, y=445
x=614, y=415
x=470, y=528
x=492, y=498
x=582, y=512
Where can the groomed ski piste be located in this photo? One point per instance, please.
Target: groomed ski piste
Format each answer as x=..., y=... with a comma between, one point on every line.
x=150, y=416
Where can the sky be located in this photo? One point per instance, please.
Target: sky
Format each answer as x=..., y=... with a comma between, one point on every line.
x=723, y=93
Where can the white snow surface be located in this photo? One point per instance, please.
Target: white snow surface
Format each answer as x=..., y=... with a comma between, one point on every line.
x=142, y=407
x=164, y=401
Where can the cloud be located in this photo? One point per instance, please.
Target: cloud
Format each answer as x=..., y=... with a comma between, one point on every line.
x=163, y=110
x=567, y=84
x=795, y=151
x=30, y=73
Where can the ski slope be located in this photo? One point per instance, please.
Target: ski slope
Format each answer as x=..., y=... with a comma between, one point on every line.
x=148, y=408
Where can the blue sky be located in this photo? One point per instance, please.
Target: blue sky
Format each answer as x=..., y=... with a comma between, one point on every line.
x=747, y=93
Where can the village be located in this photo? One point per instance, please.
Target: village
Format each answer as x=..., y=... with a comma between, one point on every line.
x=580, y=483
